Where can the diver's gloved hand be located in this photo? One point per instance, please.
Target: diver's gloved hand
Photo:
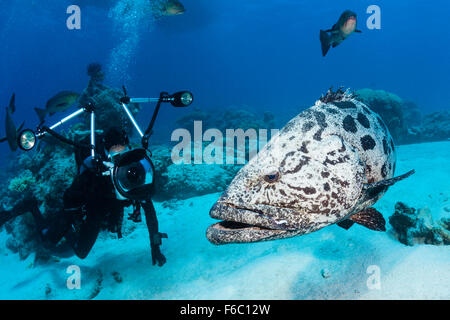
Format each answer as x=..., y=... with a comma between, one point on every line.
x=157, y=256
x=98, y=166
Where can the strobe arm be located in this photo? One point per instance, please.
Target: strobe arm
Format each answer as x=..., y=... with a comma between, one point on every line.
x=178, y=99
x=125, y=100
x=63, y=139
x=42, y=131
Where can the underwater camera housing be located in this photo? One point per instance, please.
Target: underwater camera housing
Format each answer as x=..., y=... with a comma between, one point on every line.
x=133, y=175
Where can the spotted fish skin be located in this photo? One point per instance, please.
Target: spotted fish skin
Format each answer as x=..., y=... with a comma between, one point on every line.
x=312, y=174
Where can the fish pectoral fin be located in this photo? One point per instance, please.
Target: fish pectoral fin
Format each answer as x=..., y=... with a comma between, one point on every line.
x=370, y=218
x=345, y=224
x=387, y=182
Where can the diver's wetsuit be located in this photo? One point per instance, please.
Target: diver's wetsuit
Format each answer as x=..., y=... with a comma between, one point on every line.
x=89, y=203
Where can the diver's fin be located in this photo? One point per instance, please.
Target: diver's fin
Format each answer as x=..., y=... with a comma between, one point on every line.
x=325, y=42
x=346, y=223
x=12, y=103
x=41, y=113
x=387, y=182
x=370, y=218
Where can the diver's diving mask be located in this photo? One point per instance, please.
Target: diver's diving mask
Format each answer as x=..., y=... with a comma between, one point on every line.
x=133, y=175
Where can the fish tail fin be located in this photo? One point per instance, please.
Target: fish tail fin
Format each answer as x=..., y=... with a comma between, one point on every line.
x=325, y=41
x=41, y=113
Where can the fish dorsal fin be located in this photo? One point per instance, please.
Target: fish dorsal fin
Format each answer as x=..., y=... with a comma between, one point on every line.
x=21, y=127
x=387, y=182
x=370, y=218
x=12, y=103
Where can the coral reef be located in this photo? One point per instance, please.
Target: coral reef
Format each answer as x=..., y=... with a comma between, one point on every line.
x=23, y=182
x=24, y=241
x=404, y=119
x=434, y=127
x=181, y=181
x=413, y=226
x=109, y=112
x=389, y=107
x=231, y=118
x=46, y=175
x=188, y=180
x=411, y=113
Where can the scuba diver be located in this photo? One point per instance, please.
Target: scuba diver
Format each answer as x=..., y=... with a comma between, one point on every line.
x=111, y=176
x=91, y=202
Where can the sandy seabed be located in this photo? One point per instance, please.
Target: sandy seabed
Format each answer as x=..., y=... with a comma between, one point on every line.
x=329, y=264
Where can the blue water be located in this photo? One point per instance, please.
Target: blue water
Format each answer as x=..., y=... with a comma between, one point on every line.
x=261, y=55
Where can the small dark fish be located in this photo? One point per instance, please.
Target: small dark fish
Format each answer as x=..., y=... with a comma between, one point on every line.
x=18, y=131
x=345, y=26
x=59, y=103
x=169, y=8
x=11, y=131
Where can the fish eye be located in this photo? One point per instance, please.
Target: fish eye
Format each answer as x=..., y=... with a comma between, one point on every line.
x=272, y=177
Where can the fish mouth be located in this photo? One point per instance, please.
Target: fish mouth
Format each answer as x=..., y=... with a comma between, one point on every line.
x=245, y=225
